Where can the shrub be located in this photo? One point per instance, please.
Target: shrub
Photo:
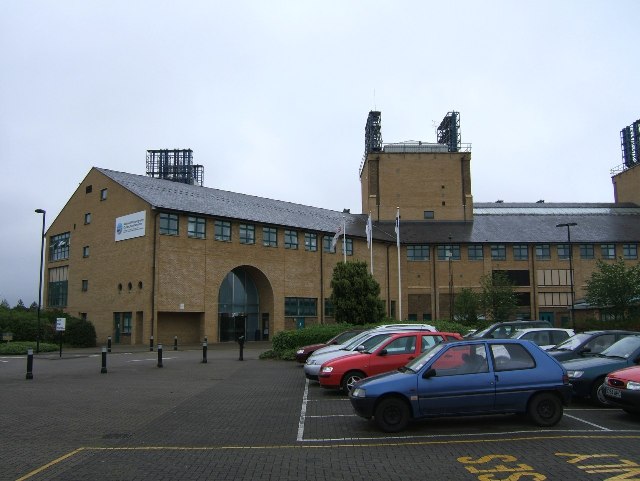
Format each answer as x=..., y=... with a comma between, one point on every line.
x=79, y=333
x=20, y=348
x=292, y=340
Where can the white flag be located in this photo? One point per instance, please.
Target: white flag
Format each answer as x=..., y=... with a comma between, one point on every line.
x=334, y=241
x=398, y=227
x=369, y=231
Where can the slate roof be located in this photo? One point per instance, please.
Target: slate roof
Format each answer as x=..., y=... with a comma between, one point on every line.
x=493, y=222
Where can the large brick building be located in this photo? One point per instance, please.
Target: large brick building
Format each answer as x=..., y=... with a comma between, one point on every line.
x=141, y=256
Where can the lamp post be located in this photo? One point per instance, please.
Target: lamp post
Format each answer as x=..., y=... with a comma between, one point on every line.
x=44, y=214
x=451, y=303
x=568, y=225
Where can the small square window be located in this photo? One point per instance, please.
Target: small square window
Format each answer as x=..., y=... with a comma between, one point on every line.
x=630, y=251
x=449, y=251
x=168, y=224
x=520, y=252
x=85, y=251
x=222, y=230
x=498, y=252
x=290, y=239
x=475, y=252
x=543, y=252
x=87, y=218
x=88, y=189
x=310, y=242
x=247, y=234
x=563, y=252
x=85, y=285
x=608, y=251
x=587, y=251
x=103, y=194
x=196, y=227
x=428, y=214
x=327, y=245
x=270, y=237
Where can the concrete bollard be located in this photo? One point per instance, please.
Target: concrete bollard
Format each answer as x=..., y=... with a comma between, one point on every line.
x=151, y=343
x=175, y=343
x=29, y=363
x=109, y=344
x=104, y=360
x=159, y=355
x=204, y=352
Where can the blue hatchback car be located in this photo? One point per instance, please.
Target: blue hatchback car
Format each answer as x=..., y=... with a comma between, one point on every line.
x=470, y=377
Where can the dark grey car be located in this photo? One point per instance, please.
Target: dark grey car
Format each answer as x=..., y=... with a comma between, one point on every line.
x=587, y=344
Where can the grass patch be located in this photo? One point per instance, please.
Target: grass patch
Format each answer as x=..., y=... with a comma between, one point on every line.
x=21, y=347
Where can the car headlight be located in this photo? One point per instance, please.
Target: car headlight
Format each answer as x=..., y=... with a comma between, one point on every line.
x=300, y=351
x=327, y=369
x=575, y=374
x=358, y=392
x=633, y=386
x=311, y=361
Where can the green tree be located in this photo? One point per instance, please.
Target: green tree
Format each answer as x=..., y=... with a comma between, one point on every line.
x=467, y=307
x=498, y=298
x=20, y=306
x=356, y=294
x=615, y=287
x=5, y=304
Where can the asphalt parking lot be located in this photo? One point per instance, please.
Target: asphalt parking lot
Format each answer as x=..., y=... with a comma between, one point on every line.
x=262, y=420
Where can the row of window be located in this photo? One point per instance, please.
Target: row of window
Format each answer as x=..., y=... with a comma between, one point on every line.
x=520, y=252
x=196, y=228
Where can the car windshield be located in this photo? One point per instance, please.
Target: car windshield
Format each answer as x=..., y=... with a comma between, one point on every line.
x=572, y=343
x=344, y=337
x=356, y=341
x=416, y=364
x=623, y=348
x=374, y=341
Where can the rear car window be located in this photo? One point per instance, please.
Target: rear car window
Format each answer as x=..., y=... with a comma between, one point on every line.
x=511, y=357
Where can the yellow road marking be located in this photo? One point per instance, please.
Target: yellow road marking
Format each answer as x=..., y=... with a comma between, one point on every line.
x=48, y=465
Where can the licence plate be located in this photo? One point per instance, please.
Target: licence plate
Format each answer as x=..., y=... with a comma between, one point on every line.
x=613, y=392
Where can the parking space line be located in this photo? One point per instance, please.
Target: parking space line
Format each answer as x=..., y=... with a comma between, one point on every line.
x=303, y=411
x=48, y=465
x=587, y=422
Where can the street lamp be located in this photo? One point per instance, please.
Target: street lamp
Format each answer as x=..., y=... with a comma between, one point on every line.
x=450, y=256
x=568, y=225
x=44, y=214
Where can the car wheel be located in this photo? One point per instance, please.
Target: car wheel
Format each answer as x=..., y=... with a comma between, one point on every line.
x=350, y=379
x=600, y=399
x=392, y=414
x=597, y=397
x=545, y=409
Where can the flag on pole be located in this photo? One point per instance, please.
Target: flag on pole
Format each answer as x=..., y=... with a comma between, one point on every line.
x=334, y=241
x=369, y=232
x=398, y=228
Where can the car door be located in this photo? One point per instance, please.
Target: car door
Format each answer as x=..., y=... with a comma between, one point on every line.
x=515, y=374
x=459, y=385
x=393, y=354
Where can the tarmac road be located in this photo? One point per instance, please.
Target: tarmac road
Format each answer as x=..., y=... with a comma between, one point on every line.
x=261, y=420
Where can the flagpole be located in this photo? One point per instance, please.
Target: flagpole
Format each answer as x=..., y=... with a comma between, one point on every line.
x=399, y=273
x=344, y=239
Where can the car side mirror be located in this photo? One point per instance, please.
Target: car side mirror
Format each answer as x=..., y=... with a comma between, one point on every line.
x=360, y=348
x=384, y=352
x=431, y=372
x=586, y=350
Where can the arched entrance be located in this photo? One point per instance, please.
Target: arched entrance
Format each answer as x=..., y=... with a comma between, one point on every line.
x=240, y=310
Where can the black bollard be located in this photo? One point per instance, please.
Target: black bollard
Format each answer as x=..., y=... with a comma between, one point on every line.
x=109, y=344
x=151, y=343
x=104, y=360
x=204, y=352
x=241, y=342
x=29, y=363
x=175, y=343
x=159, y=355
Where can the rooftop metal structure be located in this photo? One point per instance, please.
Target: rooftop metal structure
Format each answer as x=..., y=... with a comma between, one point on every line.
x=449, y=131
x=630, y=143
x=175, y=165
x=373, y=133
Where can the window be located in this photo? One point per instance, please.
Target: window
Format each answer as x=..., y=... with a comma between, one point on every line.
x=448, y=250
x=168, y=224
x=247, y=234
x=348, y=247
x=608, y=251
x=520, y=252
x=630, y=251
x=196, y=227
x=85, y=251
x=310, y=242
x=85, y=285
x=87, y=218
x=517, y=277
x=462, y=360
x=222, y=230
x=327, y=245
x=123, y=321
x=300, y=306
x=402, y=345
x=290, y=239
x=59, y=247
x=475, y=252
x=543, y=252
x=498, y=252
x=270, y=237
x=587, y=251
x=329, y=309
x=564, y=252
x=88, y=189
x=418, y=253
x=58, y=286
x=428, y=214
x=103, y=194
x=511, y=357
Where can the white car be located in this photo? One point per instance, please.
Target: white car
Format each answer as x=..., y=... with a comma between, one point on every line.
x=363, y=341
x=545, y=337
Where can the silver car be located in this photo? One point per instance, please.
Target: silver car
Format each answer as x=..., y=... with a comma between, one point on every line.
x=362, y=342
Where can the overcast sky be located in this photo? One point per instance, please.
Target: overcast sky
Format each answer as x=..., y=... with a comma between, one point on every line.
x=273, y=97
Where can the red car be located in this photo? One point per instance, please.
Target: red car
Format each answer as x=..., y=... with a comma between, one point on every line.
x=394, y=352
x=302, y=353
x=622, y=389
